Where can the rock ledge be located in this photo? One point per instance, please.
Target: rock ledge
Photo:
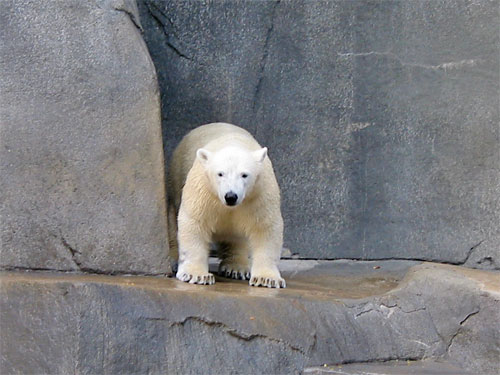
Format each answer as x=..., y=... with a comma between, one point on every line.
x=332, y=312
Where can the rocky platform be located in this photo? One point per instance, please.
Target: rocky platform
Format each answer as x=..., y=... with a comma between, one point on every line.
x=339, y=313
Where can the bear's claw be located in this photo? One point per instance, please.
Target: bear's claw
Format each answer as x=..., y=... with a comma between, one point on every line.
x=207, y=279
x=267, y=282
x=238, y=274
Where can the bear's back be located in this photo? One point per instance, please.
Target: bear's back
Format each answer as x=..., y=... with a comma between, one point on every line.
x=215, y=136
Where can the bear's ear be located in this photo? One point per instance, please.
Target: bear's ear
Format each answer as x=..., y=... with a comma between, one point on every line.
x=260, y=155
x=203, y=155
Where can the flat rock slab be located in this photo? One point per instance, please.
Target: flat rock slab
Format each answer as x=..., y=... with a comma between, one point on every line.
x=332, y=312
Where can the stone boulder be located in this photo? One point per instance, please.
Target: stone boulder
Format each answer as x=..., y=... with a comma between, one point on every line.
x=81, y=158
x=381, y=117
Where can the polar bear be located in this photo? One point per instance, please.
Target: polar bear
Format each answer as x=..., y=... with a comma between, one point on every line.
x=222, y=189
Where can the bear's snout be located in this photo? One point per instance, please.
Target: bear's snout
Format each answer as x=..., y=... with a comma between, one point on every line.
x=231, y=198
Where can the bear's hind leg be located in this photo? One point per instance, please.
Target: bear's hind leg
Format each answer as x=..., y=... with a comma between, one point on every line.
x=173, y=252
x=235, y=262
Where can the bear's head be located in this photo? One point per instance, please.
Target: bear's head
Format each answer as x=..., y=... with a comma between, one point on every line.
x=232, y=171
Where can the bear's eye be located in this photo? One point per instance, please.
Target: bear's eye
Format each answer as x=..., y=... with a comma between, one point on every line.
x=244, y=175
x=220, y=174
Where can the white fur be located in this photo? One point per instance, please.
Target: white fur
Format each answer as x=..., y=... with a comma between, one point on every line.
x=210, y=162
x=231, y=170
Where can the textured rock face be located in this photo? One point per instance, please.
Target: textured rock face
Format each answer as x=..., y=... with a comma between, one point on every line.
x=381, y=116
x=81, y=159
x=331, y=312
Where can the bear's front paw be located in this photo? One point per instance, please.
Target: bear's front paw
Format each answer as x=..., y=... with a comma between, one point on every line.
x=202, y=279
x=234, y=271
x=270, y=280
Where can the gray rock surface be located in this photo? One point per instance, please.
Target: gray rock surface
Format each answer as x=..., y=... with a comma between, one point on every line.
x=425, y=367
x=381, y=117
x=332, y=312
x=81, y=158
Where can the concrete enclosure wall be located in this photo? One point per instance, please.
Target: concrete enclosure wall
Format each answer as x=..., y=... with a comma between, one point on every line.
x=381, y=116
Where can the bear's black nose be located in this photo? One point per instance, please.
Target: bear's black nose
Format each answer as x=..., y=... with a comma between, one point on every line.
x=231, y=198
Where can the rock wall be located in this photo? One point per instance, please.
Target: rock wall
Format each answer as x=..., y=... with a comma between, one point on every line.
x=81, y=158
x=381, y=116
